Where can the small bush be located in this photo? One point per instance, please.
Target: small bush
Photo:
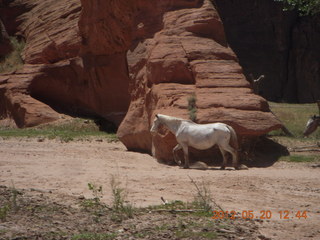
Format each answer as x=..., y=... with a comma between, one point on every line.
x=4, y=212
x=192, y=107
x=121, y=209
x=13, y=60
x=203, y=199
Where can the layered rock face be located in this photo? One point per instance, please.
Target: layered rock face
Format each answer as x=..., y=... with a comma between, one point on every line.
x=280, y=45
x=55, y=77
x=188, y=56
x=50, y=31
x=149, y=53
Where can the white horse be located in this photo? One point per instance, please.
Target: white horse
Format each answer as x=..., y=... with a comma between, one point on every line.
x=199, y=136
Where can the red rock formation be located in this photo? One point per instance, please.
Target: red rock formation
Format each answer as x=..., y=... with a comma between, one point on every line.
x=162, y=52
x=51, y=31
x=189, y=55
x=16, y=103
x=51, y=34
x=96, y=84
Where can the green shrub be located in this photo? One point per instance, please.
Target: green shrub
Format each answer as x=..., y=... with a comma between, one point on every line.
x=13, y=60
x=305, y=7
x=192, y=107
x=120, y=208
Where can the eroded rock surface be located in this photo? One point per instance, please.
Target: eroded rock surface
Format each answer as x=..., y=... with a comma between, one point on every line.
x=94, y=84
x=51, y=34
x=96, y=57
x=189, y=56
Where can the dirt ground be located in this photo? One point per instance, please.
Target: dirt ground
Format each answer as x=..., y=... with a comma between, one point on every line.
x=63, y=170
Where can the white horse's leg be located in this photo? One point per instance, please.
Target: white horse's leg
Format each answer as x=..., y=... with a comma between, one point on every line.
x=224, y=163
x=186, y=155
x=233, y=152
x=175, y=155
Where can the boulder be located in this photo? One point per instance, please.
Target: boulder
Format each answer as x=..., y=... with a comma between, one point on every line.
x=189, y=56
x=16, y=103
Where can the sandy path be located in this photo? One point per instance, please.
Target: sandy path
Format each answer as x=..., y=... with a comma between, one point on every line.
x=67, y=168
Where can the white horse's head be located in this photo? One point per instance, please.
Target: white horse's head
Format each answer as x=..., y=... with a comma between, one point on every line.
x=155, y=125
x=312, y=125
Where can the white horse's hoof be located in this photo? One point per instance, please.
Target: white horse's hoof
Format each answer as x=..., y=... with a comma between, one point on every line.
x=241, y=167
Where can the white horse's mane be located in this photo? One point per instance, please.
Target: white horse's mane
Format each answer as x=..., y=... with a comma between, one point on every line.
x=172, y=118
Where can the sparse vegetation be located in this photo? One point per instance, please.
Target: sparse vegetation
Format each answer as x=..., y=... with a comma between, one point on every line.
x=202, y=205
x=203, y=198
x=294, y=117
x=50, y=220
x=95, y=202
x=192, y=107
x=11, y=204
x=13, y=60
x=305, y=7
x=4, y=212
x=94, y=236
x=301, y=158
x=120, y=208
x=96, y=190
x=69, y=130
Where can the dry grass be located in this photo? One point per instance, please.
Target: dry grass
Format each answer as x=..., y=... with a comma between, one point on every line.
x=295, y=117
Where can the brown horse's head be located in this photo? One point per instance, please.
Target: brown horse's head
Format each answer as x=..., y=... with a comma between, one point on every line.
x=312, y=125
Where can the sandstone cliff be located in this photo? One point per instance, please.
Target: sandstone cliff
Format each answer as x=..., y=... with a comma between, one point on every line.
x=189, y=55
x=54, y=77
x=50, y=31
x=125, y=61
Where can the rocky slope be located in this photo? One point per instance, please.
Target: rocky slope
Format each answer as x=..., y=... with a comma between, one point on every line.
x=54, y=76
x=50, y=31
x=125, y=61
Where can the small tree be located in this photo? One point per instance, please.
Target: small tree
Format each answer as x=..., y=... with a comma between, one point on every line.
x=305, y=7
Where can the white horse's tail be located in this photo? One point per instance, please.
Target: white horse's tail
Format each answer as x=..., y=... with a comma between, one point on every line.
x=234, y=139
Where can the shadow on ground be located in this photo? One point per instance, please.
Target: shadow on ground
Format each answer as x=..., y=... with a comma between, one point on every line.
x=264, y=153
x=255, y=152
